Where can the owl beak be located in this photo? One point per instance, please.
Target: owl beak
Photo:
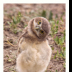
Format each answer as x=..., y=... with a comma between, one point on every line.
x=37, y=28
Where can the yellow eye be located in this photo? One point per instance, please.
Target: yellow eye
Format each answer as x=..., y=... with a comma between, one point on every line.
x=42, y=32
x=39, y=22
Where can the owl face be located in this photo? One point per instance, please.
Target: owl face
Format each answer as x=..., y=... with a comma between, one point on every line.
x=40, y=27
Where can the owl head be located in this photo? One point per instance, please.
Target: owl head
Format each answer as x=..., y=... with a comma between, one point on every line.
x=40, y=27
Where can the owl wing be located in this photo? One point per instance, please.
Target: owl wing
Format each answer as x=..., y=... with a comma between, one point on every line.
x=20, y=40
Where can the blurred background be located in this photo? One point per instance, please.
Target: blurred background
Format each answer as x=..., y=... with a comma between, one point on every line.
x=16, y=18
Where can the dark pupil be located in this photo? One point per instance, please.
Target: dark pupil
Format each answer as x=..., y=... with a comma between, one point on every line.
x=42, y=32
x=39, y=22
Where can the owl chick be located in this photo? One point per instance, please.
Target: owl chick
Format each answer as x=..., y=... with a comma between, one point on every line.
x=34, y=50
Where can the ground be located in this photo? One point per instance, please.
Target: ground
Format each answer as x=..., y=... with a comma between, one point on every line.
x=16, y=18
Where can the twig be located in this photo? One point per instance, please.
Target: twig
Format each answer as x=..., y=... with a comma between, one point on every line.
x=10, y=43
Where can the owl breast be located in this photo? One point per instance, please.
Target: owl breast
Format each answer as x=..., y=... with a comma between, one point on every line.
x=35, y=56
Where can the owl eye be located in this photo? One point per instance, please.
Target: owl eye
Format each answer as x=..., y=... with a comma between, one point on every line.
x=39, y=22
x=42, y=32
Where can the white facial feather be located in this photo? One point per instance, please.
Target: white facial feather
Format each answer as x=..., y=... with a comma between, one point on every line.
x=35, y=23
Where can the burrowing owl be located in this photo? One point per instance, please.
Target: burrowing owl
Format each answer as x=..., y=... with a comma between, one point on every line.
x=34, y=50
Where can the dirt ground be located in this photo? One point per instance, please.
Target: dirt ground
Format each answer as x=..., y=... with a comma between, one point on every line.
x=28, y=11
